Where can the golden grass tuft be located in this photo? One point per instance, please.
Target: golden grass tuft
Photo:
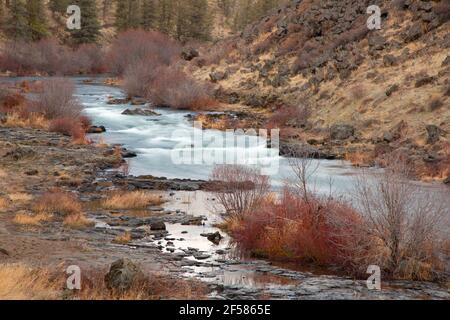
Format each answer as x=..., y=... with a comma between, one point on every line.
x=77, y=221
x=20, y=282
x=4, y=204
x=131, y=200
x=26, y=219
x=35, y=121
x=20, y=197
x=58, y=202
x=123, y=239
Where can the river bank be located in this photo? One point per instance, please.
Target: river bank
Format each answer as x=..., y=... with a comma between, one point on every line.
x=174, y=248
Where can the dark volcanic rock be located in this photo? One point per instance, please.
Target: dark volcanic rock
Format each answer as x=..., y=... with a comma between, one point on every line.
x=218, y=76
x=434, y=133
x=342, y=131
x=96, y=129
x=119, y=101
x=158, y=226
x=140, y=112
x=214, y=237
x=189, y=53
x=20, y=153
x=122, y=275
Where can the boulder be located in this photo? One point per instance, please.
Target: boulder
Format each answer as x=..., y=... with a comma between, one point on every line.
x=20, y=153
x=189, y=54
x=218, y=76
x=128, y=154
x=122, y=274
x=96, y=129
x=413, y=33
x=342, y=132
x=392, y=89
x=215, y=237
x=119, y=101
x=434, y=133
x=140, y=112
x=136, y=101
x=158, y=226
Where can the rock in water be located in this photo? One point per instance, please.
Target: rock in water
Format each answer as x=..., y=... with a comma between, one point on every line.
x=122, y=275
x=214, y=237
x=140, y=112
x=96, y=129
x=158, y=226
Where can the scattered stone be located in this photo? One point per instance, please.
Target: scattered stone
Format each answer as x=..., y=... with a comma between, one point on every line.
x=122, y=274
x=215, y=237
x=342, y=132
x=434, y=133
x=392, y=89
x=32, y=172
x=20, y=153
x=218, y=76
x=140, y=112
x=118, y=101
x=96, y=129
x=158, y=226
x=136, y=101
x=189, y=54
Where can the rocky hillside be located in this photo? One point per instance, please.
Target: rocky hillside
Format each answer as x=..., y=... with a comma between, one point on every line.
x=313, y=68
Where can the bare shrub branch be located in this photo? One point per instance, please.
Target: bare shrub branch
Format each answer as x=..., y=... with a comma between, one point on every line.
x=239, y=189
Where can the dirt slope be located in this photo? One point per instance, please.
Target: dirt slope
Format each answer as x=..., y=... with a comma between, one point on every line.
x=368, y=93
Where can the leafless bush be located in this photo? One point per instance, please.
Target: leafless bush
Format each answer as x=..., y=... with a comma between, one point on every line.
x=304, y=166
x=239, y=189
x=404, y=226
x=139, y=76
x=138, y=45
x=56, y=100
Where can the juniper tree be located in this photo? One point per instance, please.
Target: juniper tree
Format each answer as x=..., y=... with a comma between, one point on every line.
x=149, y=14
x=17, y=25
x=37, y=22
x=128, y=14
x=90, y=26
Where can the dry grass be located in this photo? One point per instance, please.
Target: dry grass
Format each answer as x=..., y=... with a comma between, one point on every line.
x=58, y=202
x=2, y=173
x=131, y=200
x=155, y=287
x=359, y=159
x=77, y=221
x=20, y=197
x=4, y=204
x=26, y=219
x=20, y=282
x=33, y=120
x=123, y=239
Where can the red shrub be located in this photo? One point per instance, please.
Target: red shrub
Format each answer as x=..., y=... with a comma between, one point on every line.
x=138, y=45
x=57, y=99
x=173, y=88
x=297, y=230
x=11, y=100
x=289, y=116
x=68, y=127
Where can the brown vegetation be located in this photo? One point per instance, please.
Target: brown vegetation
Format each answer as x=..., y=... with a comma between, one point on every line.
x=22, y=282
x=131, y=200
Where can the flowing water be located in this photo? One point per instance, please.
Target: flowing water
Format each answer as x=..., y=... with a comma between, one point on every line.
x=157, y=138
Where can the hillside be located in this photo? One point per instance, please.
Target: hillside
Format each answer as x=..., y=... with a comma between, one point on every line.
x=365, y=94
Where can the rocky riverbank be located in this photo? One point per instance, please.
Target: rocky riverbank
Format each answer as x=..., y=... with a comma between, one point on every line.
x=158, y=236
